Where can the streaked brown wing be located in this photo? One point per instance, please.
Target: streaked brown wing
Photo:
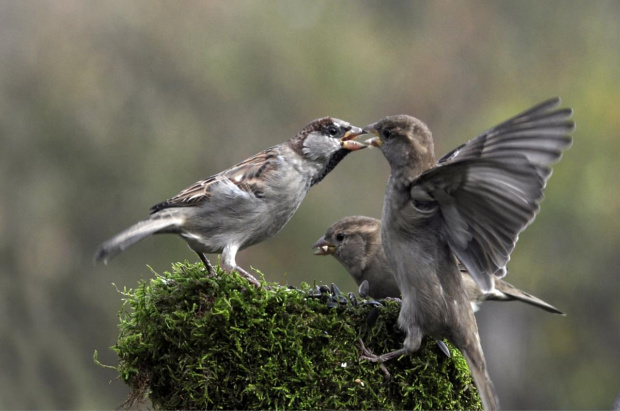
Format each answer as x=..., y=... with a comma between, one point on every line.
x=248, y=176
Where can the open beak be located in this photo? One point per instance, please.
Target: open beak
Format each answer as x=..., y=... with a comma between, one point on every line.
x=347, y=140
x=323, y=247
x=375, y=141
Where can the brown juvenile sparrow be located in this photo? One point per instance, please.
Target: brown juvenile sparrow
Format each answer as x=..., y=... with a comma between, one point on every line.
x=250, y=201
x=472, y=204
x=355, y=242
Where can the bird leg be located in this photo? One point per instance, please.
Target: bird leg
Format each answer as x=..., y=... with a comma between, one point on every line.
x=247, y=275
x=240, y=270
x=229, y=264
x=368, y=355
x=207, y=264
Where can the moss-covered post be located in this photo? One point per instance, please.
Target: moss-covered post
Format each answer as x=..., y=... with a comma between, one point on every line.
x=191, y=341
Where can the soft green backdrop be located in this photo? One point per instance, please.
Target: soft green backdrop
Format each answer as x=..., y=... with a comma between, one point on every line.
x=107, y=108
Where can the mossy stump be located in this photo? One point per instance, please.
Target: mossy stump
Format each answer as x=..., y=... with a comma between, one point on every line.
x=190, y=341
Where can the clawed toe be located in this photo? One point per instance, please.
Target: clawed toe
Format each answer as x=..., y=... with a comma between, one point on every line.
x=369, y=356
x=209, y=268
x=248, y=276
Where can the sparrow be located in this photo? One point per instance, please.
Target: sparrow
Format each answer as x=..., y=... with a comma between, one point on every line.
x=355, y=242
x=472, y=204
x=248, y=203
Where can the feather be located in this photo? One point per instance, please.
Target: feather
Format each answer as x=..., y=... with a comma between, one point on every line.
x=492, y=186
x=248, y=176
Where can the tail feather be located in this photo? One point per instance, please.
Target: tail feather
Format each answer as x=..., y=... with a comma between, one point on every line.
x=475, y=360
x=513, y=293
x=130, y=236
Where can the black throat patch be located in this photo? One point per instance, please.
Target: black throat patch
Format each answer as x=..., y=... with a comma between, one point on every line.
x=333, y=162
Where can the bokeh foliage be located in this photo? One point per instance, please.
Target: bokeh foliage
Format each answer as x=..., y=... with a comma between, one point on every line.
x=107, y=108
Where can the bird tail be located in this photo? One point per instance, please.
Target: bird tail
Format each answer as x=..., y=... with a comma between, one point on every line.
x=513, y=293
x=130, y=236
x=477, y=365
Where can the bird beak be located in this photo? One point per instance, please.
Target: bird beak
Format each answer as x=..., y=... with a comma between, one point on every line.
x=347, y=140
x=323, y=247
x=375, y=141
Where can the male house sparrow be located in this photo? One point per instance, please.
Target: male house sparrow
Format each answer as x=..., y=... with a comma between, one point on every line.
x=250, y=201
x=472, y=204
x=356, y=243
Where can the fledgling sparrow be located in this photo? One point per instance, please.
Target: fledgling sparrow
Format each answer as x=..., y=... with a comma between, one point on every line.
x=355, y=242
x=472, y=204
x=250, y=201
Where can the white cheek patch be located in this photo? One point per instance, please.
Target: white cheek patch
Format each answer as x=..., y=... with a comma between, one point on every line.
x=317, y=146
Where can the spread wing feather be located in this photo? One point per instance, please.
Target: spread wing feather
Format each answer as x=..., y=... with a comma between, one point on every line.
x=489, y=189
x=537, y=133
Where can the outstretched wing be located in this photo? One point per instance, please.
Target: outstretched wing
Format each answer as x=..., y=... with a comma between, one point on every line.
x=536, y=133
x=489, y=189
x=247, y=176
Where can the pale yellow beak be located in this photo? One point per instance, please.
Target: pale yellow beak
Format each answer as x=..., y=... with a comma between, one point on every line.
x=323, y=247
x=347, y=140
x=375, y=141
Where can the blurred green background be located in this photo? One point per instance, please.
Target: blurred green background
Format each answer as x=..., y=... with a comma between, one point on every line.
x=107, y=108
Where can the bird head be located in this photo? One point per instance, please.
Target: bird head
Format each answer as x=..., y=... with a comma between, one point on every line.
x=352, y=241
x=324, y=137
x=324, y=143
x=404, y=140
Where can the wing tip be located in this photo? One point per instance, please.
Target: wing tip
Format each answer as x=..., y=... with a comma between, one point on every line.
x=554, y=310
x=101, y=256
x=552, y=102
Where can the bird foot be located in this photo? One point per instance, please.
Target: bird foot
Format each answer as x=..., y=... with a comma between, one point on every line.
x=369, y=356
x=208, y=267
x=247, y=276
x=210, y=270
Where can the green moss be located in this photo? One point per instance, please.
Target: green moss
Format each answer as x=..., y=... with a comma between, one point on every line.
x=192, y=341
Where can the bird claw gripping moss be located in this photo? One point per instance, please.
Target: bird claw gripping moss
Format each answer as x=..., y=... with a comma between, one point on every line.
x=332, y=296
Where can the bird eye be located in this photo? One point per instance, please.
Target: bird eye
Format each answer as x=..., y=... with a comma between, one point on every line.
x=332, y=130
x=386, y=133
x=339, y=237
